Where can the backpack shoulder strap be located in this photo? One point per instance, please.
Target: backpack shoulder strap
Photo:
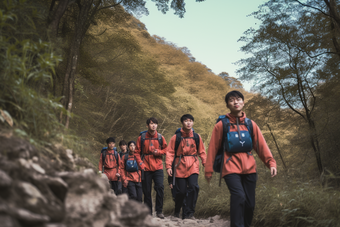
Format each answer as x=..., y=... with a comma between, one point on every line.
x=142, y=139
x=116, y=156
x=160, y=140
x=103, y=154
x=178, y=141
x=249, y=125
x=126, y=157
x=197, y=140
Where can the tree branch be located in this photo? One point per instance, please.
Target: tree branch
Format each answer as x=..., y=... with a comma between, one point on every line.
x=284, y=97
x=114, y=5
x=313, y=8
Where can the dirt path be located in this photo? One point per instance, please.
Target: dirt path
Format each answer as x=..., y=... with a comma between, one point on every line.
x=171, y=221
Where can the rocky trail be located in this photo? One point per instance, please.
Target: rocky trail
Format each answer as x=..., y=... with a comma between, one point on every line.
x=53, y=187
x=171, y=221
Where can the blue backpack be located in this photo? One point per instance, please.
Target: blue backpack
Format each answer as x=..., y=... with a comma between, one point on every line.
x=233, y=142
x=103, y=153
x=130, y=165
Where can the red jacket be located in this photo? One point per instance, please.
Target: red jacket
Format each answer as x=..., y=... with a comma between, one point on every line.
x=152, y=162
x=189, y=164
x=131, y=176
x=110, y=167
x=240, y=163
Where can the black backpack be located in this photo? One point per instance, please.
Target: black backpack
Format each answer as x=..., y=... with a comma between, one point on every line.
x=143, y=138
x=103, y=153
x=219, y=159
x=178, y=141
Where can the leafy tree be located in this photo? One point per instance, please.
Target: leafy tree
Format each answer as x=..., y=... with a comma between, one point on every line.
x=83, y=14
x=288, y=60
x=231, y=81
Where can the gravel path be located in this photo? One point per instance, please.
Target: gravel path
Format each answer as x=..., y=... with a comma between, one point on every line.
x=171, y=221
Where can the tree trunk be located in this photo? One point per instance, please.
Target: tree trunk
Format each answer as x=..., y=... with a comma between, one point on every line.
x=57, y=15
x=277, y=147
x=86, y=13
x=315, y=144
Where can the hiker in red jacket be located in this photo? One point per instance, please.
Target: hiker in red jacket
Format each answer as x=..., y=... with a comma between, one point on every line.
x=182, y=163
x=151, y=146
x=111, y=164
x=238, y=164
x=130, y=168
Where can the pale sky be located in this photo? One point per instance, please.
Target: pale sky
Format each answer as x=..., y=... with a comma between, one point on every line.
x=209, y=29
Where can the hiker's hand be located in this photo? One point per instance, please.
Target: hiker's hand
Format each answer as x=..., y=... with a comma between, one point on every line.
x=117, y=175
x=156, y=153
x=273, y=171
x=171, y=186
x=169, y=171
x=208, y=179
x=125, y=184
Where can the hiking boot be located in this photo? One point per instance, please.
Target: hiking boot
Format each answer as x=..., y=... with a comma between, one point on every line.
x=190, y=216
x=160, y=215
x=176, y=215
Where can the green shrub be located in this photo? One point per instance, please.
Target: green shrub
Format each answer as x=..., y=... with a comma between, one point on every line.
x=26, y=67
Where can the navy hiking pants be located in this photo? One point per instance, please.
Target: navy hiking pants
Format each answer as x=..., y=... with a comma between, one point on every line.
x=135, y=191
x=242, y=198
x=157, y=177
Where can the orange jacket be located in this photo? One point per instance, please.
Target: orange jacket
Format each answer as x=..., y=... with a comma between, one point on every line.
x=189, y=164
x=110, y=167
x=152, y=162
x=131, y=176
x=240, y=163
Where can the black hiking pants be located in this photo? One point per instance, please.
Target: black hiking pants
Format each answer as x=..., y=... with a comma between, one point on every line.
x=186, y=189
x=125, y=190
x=135, y=191
x=242, y=198
x=115, y=187
x=157, y=177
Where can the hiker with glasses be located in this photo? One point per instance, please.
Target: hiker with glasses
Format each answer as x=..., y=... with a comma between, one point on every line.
x=130, y=168
x=151, y=146
x=182, y=164
x=109, y=164
x=230, y=154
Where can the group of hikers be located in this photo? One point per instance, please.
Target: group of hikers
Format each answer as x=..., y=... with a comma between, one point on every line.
x=233, y=138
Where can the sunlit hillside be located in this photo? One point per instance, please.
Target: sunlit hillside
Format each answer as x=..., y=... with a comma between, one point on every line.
x=174, y=85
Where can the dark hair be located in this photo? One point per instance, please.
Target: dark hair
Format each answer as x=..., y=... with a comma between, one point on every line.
x=154, y=120
x=187, y=116
x=233, y=94
x=110, y=139
x=122, y=142
x=130, y=142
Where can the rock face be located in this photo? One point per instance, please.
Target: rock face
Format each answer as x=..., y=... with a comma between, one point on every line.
x=43, y=189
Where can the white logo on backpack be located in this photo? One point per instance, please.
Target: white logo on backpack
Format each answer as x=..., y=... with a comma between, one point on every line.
x=242, y=142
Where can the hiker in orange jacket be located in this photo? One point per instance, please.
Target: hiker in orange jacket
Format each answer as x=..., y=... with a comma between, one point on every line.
x=183, y=165
x=123, y=151
x=238, y=168
x=111, y=164
x=151, y=152
x=132, y=179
